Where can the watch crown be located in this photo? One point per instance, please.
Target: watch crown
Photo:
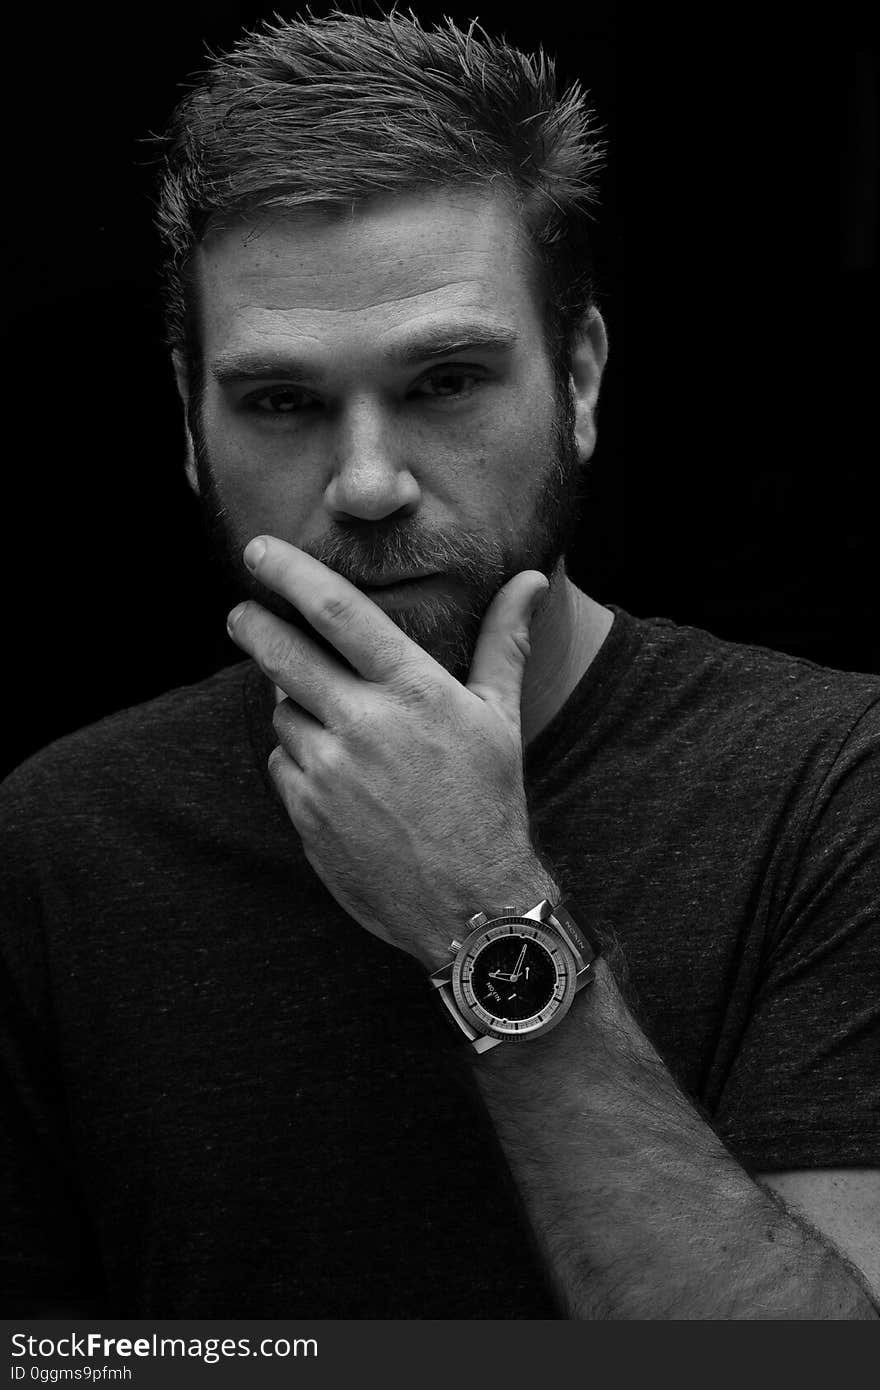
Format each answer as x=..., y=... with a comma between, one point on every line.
x=455, y=944
x=479, y=919
x=509, y=912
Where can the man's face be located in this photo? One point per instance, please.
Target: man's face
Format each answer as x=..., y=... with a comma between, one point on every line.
x=377, y=392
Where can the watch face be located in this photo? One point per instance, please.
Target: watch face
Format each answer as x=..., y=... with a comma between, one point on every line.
x=514, y=979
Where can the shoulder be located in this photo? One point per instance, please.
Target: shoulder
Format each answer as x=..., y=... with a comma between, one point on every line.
x=749, y=697
x=185, y=726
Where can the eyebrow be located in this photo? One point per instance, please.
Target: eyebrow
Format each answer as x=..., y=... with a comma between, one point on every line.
x=429, y=345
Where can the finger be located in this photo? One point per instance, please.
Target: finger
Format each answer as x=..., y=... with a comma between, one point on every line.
x=357, y=628
x=299, y=733
x=292, y=786
x=298, y=666
x=503, y=646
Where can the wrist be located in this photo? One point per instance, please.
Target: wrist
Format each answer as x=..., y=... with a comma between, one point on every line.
x=588, y=1025
x=525, y=885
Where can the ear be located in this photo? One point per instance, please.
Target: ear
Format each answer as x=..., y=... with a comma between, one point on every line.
x=182, y=378
x=587, y=364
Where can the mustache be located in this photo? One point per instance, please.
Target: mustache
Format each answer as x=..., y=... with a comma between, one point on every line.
x=362, y=556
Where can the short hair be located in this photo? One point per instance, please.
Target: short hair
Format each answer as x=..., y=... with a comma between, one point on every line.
x=325, y=113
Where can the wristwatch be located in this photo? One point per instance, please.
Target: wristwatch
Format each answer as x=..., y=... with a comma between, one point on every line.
x=515, y=976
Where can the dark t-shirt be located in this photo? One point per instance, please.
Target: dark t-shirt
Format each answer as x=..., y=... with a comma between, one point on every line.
x=224, y=1098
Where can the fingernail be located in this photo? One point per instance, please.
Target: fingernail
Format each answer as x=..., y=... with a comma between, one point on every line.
x=254, y=552
x=235, y=615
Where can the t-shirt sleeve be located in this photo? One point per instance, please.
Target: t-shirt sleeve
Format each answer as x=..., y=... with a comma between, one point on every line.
x=804, y=1088
x=47, y=1259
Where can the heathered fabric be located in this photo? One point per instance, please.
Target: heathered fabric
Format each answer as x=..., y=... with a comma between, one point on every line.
x=224, y=1098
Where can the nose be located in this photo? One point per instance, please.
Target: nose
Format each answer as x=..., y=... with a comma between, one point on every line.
x=370, y=478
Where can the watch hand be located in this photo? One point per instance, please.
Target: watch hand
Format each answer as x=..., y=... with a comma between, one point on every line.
x=517, y=968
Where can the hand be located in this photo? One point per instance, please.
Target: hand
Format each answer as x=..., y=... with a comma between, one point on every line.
x=405, y=786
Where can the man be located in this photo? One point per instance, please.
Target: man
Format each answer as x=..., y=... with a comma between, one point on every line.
x=474, y=950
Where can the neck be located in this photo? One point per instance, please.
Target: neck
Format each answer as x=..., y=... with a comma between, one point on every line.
x=567, y=631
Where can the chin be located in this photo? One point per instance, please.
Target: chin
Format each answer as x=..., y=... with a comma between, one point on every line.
x=448, y=638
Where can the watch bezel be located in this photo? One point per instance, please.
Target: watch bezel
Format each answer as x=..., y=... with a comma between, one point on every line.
x=492, y=1025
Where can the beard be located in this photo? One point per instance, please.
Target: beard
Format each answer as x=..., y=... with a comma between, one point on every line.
x=477, y=565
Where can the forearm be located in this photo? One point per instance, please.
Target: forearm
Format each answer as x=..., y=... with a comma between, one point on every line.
x=638, y=1209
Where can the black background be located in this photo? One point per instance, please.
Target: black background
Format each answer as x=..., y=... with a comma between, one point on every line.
x=733, y=485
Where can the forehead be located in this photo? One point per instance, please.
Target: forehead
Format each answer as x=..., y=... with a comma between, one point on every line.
x=366, y=274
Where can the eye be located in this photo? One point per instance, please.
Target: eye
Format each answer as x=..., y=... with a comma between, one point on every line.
x=279, y=400
x=449, y=383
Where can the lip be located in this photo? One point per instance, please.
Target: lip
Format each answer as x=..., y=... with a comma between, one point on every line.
x=395, y=581
x=394, y=593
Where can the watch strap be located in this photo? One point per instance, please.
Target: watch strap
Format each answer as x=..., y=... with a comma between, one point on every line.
x=480, y=1042
x=573, y=933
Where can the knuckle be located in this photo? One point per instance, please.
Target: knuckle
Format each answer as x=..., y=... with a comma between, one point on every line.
x=333, y=610
x=275, y=655
x=417, y=692
x=413, y=682
x=362, y=726
x=281, y=717
x=324, y=760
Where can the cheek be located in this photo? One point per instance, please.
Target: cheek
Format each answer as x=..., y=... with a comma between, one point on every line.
x=263, y=488
x=523, y=457
x=273, y=495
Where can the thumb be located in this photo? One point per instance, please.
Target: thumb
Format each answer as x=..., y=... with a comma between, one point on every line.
x=503, y=646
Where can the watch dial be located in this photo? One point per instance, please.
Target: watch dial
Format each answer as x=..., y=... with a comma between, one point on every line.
x=514, y=977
